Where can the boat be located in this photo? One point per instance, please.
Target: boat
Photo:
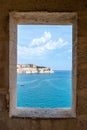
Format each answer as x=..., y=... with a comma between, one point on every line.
x=21, y=84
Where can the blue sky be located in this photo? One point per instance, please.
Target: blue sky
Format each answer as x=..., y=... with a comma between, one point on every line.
x=45, y=45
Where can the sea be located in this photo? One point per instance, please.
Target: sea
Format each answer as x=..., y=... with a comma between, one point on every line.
x=45, y=90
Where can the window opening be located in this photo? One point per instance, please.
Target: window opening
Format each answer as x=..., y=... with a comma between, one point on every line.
x=42, y=64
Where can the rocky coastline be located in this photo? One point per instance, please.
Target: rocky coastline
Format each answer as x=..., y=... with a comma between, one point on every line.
x=31, y=68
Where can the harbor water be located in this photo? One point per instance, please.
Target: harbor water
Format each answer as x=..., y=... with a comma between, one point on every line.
x=45, y=90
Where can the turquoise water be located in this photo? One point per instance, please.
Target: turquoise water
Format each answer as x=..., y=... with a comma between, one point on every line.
x=45, y=90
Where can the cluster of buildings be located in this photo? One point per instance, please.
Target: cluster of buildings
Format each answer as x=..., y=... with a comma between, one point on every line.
x=31, y=68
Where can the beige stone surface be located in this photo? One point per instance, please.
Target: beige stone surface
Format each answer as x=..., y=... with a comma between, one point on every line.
x=80, y=123
x=61, y=18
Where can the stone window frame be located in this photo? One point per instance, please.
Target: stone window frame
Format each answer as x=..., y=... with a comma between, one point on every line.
x=48, y=18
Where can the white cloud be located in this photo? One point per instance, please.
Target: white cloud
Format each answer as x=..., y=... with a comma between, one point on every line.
x=24, y=51
x=51, y=45
x=39, y=46
x=41, y=40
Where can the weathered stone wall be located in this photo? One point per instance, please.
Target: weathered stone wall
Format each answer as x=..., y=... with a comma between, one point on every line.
x=80, y=123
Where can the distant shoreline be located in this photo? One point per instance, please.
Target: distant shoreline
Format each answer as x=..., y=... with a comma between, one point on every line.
x=32, y=69
x=48, y=73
